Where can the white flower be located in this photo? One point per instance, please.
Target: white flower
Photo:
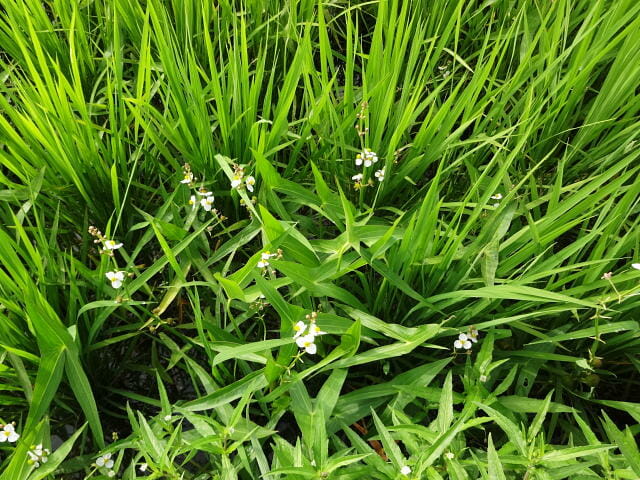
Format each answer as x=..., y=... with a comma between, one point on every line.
x=111, y=473
x=607, y=276
x=307, y=342
x=380, y=175
x=203, y=192
x=250, y=182
x=299, y=328
x=207, y=203
x=497, y=196
x=367, y=157
x=111, y=245
x=236, y=181
x=38, y=455
x=193, y=201
x=636, y=266
x=143, y=467
x=188, y=178
x=104, y=461
x=483, y=378
x=315, y=330
x=264, y=259
x=167, y=418
x=473, y=335
x=462, y=342
x=357, y=177
x=8, y=434
x=450, y=455
x=115, y=278
x=405, y=470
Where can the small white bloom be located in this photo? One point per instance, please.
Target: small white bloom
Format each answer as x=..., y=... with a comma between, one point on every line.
x=193, y=201
x=307, y=342
x=366, y=157
x=111, y=473
x=203, y=192
x=167, y=418
x=188, y=178
x=250, y=182
x=115, y=278
x=236, y=181
x=380, y=175
x=405, y=470
x=8, y=434
x=357, y=177
x=299, y=328
x=111, y=245
x=607, y=276
x=636, y=266
x=483, y=378
x=38, y=455
x=450, y=455
x=497, y=196
x=462, y=342
x=315, y=330
x=104, y=461
x=143, y=467
x=264, y=259
x=473, y=335
x=207, y=203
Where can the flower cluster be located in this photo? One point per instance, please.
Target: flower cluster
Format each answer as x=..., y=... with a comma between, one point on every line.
x=206, y=201
x=266, y=256
x=8, y=433
x=116, y=277
x=109, y=246
x=238, y=181
x=466, y=340
x=367, y=158
x=105, y=461
x=307, y=340
x=38, y=455
x=202, y=196
x=187, y=175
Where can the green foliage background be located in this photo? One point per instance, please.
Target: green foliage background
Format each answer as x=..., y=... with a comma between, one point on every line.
x=103, y=102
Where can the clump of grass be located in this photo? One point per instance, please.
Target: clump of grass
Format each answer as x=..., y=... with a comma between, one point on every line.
x=319, y=240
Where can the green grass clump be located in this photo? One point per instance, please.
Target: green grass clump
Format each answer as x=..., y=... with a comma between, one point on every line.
x=319, y=240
